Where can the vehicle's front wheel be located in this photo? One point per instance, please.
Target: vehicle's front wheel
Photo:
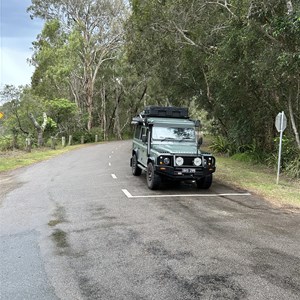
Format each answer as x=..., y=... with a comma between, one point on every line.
x=153, y=180
x=204, y=182
x=136, y=171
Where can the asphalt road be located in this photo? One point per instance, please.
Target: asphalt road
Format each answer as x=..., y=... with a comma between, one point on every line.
x=80, y=226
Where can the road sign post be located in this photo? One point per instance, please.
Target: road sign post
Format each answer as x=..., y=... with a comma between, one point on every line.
x=280, y=124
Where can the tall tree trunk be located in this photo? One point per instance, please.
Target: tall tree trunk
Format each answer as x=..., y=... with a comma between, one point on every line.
x=39, y=128
x=89, y=91
x=103, y=111
x=90, y=113
x=294, y=126
x=15, y=138
x=117, y=118
x=141, y=99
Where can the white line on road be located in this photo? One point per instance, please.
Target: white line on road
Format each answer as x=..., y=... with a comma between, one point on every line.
x=128, y=195
x=109, y=156
x=114, y=176
x=109, y=164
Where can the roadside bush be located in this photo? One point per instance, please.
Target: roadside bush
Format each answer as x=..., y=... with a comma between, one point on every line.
x=289, y=150
x=5, y=143
x=292, y=168
x=221, y=144
x=8, y=143
x=89, y=137
x=290, y=157
x=127, y=135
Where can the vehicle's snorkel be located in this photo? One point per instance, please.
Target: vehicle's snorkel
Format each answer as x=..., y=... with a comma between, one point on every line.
x=149, y=139
x=199, y=138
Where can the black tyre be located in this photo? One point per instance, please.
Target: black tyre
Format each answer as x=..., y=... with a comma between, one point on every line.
x=204, y=182
x=153, y=180
x=136, y=171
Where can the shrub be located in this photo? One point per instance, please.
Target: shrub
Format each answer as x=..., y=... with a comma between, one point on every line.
x=89, y=137
x=5, y=143
x=221, y=144
x=292, y=168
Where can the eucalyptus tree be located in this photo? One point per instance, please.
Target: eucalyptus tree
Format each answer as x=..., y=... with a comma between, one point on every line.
x=175, y=39
x=53, y=61
x=96, y=31
x=239, y=59
x=119, y=97
x=279, y=61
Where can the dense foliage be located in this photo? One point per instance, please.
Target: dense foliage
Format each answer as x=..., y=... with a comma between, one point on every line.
x=98, y=62
x=238, y=59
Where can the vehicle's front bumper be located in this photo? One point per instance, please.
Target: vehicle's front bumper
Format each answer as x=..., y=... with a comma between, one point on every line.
x=180, y=173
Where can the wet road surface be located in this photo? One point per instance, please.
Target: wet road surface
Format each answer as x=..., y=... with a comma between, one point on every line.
x=80, y=226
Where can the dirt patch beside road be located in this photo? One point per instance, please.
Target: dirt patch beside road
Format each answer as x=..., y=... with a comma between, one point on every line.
x=7, y=184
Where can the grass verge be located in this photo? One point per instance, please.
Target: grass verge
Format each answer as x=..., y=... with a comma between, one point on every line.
x=260, y=180
x=11, y=160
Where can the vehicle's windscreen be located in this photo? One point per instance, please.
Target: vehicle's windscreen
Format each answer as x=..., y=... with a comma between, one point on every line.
x=173, y=133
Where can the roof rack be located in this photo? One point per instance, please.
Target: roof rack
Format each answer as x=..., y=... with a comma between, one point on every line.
x=160, y=112
x=166, y=112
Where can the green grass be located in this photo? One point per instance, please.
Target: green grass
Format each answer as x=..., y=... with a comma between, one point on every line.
x=11, y=160
x=259, y=180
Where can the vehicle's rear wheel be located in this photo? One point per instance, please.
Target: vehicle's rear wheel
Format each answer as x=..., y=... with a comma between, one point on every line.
x=136, y=171
x=153, y=180
x=204, y=182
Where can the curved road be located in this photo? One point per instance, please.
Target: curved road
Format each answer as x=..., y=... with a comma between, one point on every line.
x=80, y=226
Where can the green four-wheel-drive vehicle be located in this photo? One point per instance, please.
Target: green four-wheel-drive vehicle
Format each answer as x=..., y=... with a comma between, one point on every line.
x=165, y=146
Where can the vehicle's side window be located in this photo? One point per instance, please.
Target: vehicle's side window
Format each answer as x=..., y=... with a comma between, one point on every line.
x=137, y=133
x=145, y=131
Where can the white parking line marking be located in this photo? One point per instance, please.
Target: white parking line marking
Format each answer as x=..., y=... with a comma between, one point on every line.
x=114, y=176
x=109, y=164
x=185, y=195
x=127, y=193
x=109, y=156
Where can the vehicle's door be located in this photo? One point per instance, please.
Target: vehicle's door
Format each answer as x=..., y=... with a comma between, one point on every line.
x=136, y=145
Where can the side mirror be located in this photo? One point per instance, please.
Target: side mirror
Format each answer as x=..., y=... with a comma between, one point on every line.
x=197, y=123
x=200, y=141
x=144, y=138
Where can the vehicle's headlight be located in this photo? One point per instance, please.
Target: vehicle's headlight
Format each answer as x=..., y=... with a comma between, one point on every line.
x=197, y=161
x=179, y=161
x=166, y=160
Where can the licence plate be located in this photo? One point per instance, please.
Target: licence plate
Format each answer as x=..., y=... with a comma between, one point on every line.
x=188, y=170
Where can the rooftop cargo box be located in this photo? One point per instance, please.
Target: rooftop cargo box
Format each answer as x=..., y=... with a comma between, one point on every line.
x=166, y=112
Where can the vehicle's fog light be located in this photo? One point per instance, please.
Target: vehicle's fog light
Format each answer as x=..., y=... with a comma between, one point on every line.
x=179, y=161
x=197, y=161
x=166, y=160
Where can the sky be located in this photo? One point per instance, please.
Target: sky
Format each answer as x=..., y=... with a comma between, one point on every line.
x=17, y=32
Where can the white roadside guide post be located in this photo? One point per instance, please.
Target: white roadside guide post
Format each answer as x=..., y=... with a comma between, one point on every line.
x=280, y=123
